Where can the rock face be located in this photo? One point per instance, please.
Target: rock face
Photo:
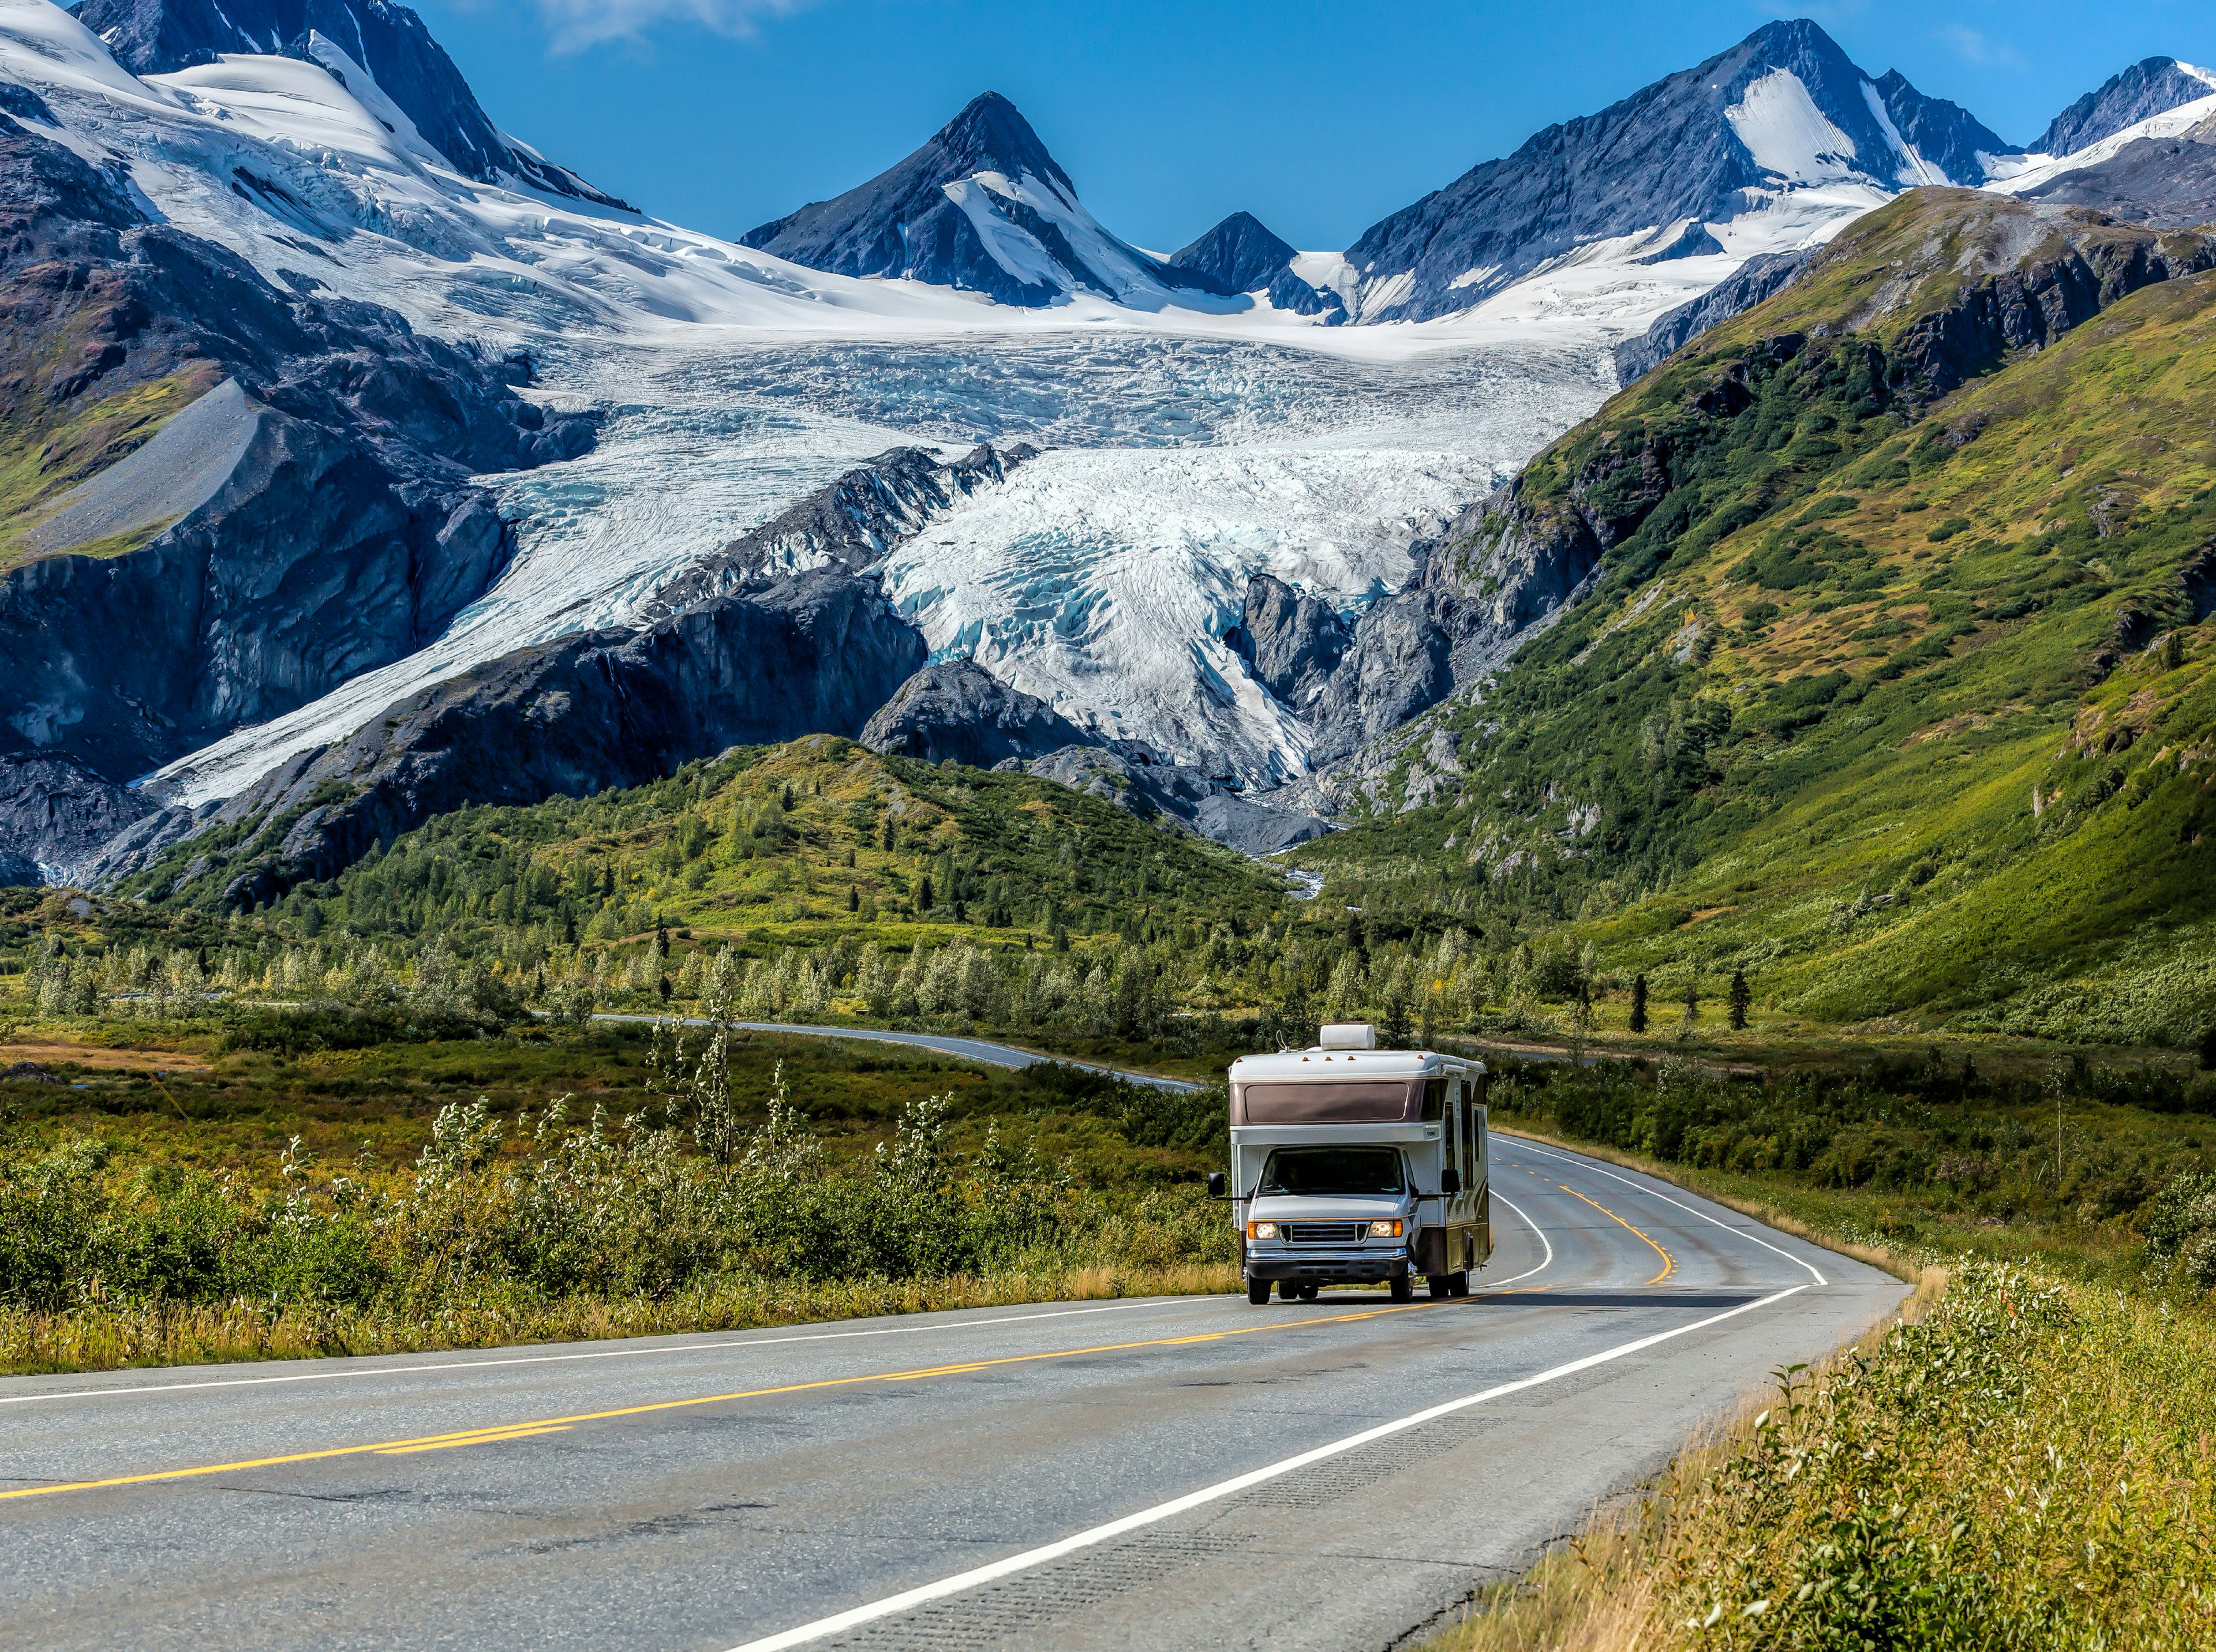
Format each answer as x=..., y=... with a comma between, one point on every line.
x=1685, y=148
x=957, y=710
x=1132, y=780
x=1503, y=570
x=1745, y=287
x=55, y=815
x=1290, y=641
x=981, y=207
x=2150, y=87
x=1237, y=256
x=346, y=533
x=815, y=654
x=158, y=37
x=2167, y=183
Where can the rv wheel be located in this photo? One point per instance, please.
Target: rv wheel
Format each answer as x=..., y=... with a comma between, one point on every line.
x=1458, y=1283
x=1437, y=1284
x=1258, y=1291
x=1290, y=1289
x=1404, y=1288
x=1308, y=1293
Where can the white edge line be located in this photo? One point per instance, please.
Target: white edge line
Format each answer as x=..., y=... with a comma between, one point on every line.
x=893, y=1604
x=1583, y=1162
x=590, y=1354
x=1491, y=1285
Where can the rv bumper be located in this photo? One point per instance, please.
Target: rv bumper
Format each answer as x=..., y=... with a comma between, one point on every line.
x=1349, y=1267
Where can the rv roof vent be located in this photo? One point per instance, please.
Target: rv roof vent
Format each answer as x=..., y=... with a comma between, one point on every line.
x=1348, y=1035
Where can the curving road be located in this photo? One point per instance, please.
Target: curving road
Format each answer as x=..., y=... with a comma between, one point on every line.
x=1166, y=1472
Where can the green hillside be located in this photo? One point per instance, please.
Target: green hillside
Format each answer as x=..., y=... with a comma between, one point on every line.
x=1898, y=705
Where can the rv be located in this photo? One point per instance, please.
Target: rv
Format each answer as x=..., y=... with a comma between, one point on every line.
x=1354, y=1165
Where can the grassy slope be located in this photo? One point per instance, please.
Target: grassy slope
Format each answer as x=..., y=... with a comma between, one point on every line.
x=796, y=844
x=1800, y=731
x=46, y=449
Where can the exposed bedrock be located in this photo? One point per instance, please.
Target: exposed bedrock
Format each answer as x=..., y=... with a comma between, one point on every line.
x=327, y=520
x=1290, y=641
x=958, y=710
x=815, y=654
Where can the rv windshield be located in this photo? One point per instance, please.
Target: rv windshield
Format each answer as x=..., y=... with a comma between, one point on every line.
x=1326, y=1171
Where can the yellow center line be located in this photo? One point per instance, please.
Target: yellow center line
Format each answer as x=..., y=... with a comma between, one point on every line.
x=1669, y=1262
x=555, y=1425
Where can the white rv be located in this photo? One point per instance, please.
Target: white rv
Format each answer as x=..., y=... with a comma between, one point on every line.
x=1350, y=1164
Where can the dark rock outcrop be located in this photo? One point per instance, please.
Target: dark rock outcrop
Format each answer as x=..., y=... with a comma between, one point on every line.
x=1946, y=135
x=55, y=815
x=2149, y=87
x=814, y=654
x=958, y=711
x=1130, y=778
x=1238, y=255
x=346, y=533
x=1290, y=641
x=158, y=37
x=1666, y=153
x=1504, y=570
x=856, y=519
x=1744, y=288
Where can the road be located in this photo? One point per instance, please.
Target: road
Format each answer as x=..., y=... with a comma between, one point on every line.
x=1169, y=1473
x=965, y=1049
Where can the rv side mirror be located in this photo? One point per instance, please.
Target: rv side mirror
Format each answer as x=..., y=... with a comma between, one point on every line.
x=1216, y=1184
x=1450, y=1179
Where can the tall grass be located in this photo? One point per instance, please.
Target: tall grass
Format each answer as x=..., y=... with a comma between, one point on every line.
x=560, y=1229
x=2023, y=1462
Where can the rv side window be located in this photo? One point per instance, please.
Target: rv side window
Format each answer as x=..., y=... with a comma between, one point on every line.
x=1321, y=1171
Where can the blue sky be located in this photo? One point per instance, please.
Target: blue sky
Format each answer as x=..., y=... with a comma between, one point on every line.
x=1169, y=114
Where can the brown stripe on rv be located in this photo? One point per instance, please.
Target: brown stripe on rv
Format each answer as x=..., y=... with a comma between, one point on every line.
x=1376, y=1101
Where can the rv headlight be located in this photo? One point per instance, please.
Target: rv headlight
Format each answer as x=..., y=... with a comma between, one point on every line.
x=1386, y=1230
x=1261, y=1230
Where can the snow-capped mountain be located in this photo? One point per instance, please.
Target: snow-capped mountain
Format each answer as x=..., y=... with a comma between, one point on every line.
x=2152, y=86
x=1745, y=145
x=380, y=52
x=983, y=207
x=1216, y=449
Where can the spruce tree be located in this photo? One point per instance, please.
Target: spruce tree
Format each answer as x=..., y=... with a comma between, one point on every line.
x=923, y=900
x=1639, y=1004
x=1741, y=998
x=853, y=898
x=1692, y=1000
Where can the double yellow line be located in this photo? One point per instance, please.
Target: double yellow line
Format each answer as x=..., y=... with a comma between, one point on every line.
x=559, y=1425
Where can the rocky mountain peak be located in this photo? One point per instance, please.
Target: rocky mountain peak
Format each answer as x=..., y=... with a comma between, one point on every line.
x=2150, y=87
x=1239, y=255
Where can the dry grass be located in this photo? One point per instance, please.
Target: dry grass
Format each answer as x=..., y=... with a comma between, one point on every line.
x=97, y=1338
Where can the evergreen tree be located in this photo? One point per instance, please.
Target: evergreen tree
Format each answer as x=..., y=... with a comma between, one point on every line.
x=854, y=896
x=1396, y=1023
x=1060, y=937
x=1639, y=1004
x=923, y=900
x=660, y=940
x=1692, y=1000
x=1741, y=998
x=2208, y=1050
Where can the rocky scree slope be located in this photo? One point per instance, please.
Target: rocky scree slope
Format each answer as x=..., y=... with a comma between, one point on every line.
x=347, y=535
x=1896, y=688
x=2166, y=183
x=412, y=70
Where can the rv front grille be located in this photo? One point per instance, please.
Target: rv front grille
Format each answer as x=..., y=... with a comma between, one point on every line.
x=1323, y=1232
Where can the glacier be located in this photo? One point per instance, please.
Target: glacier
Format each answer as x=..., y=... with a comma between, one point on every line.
x=1187, y=445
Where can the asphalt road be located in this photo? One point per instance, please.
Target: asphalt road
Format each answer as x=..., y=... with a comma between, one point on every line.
x=966, y=1049
x=1168, y=1472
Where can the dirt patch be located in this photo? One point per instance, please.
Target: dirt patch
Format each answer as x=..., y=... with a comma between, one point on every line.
x=105, y=1060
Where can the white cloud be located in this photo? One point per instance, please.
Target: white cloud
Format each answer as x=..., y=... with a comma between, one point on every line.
x=1973, y=47
x=577, y=24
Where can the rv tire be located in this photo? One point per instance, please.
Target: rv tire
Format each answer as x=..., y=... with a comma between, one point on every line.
x=1258, y=1291
x=1458, y=1283
x=1290, y=1289
x=1404, y=1288
x=1441, y=1285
